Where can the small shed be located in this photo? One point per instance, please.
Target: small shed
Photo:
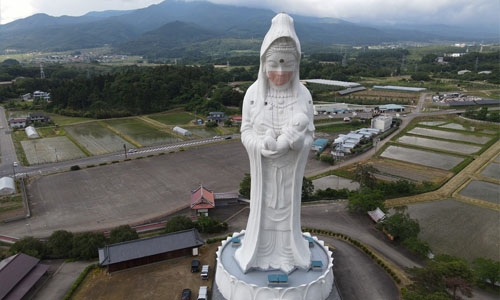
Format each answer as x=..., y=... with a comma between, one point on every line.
x=31, y=132
x=7, y=186
x=377, y=215
x=182, y=131
x=319, y=145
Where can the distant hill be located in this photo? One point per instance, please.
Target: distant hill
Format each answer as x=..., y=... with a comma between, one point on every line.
x=174, y=26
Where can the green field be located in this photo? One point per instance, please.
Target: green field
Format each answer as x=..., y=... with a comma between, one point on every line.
x=139, y=133
x=174, y=118
x=96, y=138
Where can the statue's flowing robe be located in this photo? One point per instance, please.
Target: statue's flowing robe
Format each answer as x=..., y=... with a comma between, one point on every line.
x=273, y=237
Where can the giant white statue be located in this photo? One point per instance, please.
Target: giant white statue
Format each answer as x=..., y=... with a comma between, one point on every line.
x=277, y=132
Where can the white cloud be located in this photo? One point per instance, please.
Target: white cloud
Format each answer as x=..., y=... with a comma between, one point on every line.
x=11, y=10
x=410, y=11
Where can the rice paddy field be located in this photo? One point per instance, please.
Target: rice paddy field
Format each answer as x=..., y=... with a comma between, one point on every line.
x=52, y=149
x=96, y=138
x=458, y=228
x=139, y=132
x=421, y=157
x=466, y=225
x=437, y=144
x=79, y=137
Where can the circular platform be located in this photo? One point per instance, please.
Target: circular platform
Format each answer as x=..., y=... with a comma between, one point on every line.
x=233, y=284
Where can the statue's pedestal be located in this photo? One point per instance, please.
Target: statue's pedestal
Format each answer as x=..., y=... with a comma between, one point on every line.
x=315, y=283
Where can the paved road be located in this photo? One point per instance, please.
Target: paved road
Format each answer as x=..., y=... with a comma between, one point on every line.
x=61, y=280
x=8, y=154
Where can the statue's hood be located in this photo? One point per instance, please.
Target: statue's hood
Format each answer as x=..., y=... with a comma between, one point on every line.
x=281, y=26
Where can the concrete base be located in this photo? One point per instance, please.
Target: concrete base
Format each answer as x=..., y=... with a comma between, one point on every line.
x=233, y=284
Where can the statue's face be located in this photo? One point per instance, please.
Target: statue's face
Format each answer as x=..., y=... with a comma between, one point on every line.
x=280, y=67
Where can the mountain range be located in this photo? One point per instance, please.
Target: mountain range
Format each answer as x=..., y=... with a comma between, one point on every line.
x=173, y=27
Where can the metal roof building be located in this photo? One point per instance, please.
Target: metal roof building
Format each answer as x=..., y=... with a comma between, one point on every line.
x=19, y=274
x=145, y=251
x=398, y=88
x=7, y=186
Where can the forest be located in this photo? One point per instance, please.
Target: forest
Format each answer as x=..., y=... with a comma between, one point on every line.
x=102, y=92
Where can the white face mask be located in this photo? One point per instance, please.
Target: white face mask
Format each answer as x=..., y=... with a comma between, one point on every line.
x=280, y=68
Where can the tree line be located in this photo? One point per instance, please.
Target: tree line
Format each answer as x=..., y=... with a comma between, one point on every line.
x=101, y=92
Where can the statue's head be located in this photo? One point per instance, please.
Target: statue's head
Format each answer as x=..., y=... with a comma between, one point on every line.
x=281, y=62
x=280, y=55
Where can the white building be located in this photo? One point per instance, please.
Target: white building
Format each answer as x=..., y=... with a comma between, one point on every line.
x=31, y=132
x=182, y=131
x=383, y=123
x=7, y=186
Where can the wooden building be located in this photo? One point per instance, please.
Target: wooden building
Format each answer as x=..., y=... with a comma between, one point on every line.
x=140, y=252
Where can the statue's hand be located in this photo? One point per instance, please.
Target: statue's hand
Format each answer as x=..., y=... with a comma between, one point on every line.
x=269, y=143
x=295, y=138
x=281, y=148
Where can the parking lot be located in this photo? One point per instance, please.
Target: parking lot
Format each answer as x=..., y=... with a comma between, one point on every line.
x=131, y=192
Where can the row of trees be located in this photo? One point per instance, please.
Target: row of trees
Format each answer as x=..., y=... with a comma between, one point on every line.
x=483, y=114
x=84, y=245
x=446, y=277
x=65, y=244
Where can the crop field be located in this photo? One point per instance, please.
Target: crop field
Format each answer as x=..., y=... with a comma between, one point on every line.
x=439, y=144
x=139, y=132
x=408, y=171
x=492, y=170
x=96, y=138
x=458, y=228
x=174, y=118
x=432, y=123
x=457, y=127
x=482, y=190
x=478, y=139
x=421, y=157
x=51, y=149
x=202, y=131
x=61, y=120
x=384, y=95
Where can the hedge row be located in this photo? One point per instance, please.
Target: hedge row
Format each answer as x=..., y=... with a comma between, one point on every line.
x=79, y=281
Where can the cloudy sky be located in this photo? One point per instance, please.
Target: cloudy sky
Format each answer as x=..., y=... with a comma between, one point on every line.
x=453, y=12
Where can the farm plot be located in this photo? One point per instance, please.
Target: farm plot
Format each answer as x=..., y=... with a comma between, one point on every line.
x=412, y=172
x=432, y=123
x=456, y=136
x=458, y=228
x=96, y=138
x=178, y=118
x=141, y=132
x=457, y=127
x=492, y=170
x=49, y=150
x=202, y=132
x=439, y=144
x=482, y=190
x=421, y=157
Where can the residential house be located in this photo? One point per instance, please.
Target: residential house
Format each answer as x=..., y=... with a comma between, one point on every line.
x=217, y=117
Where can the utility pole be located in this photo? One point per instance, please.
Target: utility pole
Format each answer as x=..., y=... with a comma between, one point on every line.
x=42, y=73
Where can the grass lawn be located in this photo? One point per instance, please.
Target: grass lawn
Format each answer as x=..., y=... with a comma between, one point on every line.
x=340, y=127
x=61, y=120
x=174, y=118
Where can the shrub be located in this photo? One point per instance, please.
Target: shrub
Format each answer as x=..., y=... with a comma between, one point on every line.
x=75, y=168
